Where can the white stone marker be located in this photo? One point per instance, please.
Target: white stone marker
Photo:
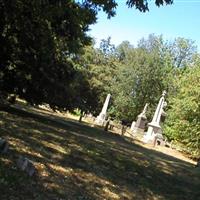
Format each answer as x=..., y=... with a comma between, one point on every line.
x=154, y=125
x=101, y=118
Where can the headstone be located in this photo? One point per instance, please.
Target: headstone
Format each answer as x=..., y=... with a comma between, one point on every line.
x=26, y=165
x=3, y=146
x=142, y=119
x=154, y=126
x=138, y=127
x=133, y=126
x=101, y=118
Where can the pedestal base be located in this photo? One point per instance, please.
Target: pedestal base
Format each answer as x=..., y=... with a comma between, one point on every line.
x=100, y=120
x=141, y=121
x=151, y=133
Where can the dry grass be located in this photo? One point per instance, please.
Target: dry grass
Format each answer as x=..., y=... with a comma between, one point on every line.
x=78, y=162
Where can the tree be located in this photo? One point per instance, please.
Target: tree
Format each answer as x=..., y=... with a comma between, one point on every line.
x=183, y=120
x=182, y=52
x=144, y=73
x=124, y=51
x=99, y=66
x=142, y=5
x=39, y=39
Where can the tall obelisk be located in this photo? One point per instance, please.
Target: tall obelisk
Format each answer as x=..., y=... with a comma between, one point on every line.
x=154, y=125
x=102, y=116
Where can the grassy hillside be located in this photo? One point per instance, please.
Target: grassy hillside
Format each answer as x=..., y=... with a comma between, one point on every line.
x=78, y=162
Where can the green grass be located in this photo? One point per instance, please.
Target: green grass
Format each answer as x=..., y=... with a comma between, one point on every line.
x=78, y=162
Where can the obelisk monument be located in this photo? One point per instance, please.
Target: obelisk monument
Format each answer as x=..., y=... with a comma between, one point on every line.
x=154, y=125
x=101, y=118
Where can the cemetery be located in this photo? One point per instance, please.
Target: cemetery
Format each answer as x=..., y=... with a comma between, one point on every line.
x=99, y=100
x=51, y=155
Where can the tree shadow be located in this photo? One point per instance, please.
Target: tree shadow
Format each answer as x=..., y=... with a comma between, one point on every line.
x=75, y=161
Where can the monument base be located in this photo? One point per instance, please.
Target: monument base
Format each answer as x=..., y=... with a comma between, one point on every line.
x=141, y=121
x=138, y=133
x=100, y=120
x=151, y=133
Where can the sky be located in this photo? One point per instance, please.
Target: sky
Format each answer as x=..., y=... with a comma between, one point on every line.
x=181, y=19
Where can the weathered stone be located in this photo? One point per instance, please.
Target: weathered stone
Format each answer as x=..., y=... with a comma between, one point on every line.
x=133, y=126
x=138, y=127
x=154, y=127
x=22, y=163
x=30, y=169
x=141, y=122
x=26, y=165
x=3, y=146
x=159, y=140
x=142, y=119
x=101, y=118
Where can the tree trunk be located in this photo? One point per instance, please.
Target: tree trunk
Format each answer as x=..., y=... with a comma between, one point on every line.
x=107, y=124
x=81, y=116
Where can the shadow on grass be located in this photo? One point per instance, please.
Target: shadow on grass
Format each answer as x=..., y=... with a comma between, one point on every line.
x=75, y=161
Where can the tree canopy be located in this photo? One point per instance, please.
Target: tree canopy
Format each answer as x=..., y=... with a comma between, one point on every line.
x=40, y=40
x=183, y=121
x=143, y=6
x=47, y=57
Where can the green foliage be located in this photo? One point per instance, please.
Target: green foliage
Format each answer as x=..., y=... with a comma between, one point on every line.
x=133, y=75
x=38, y=38
x=143, y=75
x=182, y=52
x=39, y=41
x=142, y=5
x=183, y=121
x=98, y=66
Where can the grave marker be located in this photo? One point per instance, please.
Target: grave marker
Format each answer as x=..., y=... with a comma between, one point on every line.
x=101, y=118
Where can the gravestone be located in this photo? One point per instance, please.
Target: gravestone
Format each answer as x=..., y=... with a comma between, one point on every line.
x=133, y=126
x=142, y=119
x=3, y=146
x=154, y=126
x=26, y=165
x=101, y=118
x=139, y=126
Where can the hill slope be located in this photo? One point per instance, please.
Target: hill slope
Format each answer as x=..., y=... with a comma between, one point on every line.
x=78, y=162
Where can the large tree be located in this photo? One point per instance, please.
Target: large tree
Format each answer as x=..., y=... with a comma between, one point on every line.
x=143, y=6
x=40, y=38
x=183, y=120
x=144, y=73
x=99, y=66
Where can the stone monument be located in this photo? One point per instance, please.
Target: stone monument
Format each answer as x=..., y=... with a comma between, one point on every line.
x=142, y=119
x=133, y=126
x=101, y=118
x=154, y=128
x=3, y=146
x=140, y=124
x=26, y=165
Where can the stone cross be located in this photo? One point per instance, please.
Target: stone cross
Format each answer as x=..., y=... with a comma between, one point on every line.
x=154, y=126
x=102, y=116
